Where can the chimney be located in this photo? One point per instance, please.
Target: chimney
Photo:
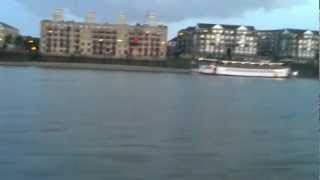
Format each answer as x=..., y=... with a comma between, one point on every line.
x=90, y=17
x=122, y=19
x=150, y=19
x=58, y=15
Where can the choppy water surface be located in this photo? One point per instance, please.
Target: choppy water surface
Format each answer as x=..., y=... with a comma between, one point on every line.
x=72, y=124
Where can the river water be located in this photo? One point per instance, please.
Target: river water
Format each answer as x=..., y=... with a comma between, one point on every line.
x=94, y=125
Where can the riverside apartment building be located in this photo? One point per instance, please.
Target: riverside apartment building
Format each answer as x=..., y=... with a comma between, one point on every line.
x=292, y=44
x=7, y=30
x=218, y=41
x=96, y=40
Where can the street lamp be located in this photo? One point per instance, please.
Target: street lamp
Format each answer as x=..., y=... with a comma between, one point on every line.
x=34, y=48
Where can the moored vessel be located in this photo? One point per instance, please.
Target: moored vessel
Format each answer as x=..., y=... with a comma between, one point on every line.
x=246, y=68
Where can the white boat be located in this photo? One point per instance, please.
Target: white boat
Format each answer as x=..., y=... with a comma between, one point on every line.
x=207, y=69
x=295, y=73
x=247, y=69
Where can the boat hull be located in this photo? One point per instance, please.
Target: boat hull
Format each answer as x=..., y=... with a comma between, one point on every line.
x=248, y=72
x=210, y=70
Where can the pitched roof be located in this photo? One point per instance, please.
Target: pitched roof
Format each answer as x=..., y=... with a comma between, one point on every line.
x=174, y=39
x=8, y=26
x=291, y=30
x=295, y=30
x=188, y=29
x=226, y=26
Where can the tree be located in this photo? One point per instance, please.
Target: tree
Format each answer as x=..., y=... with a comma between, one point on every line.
x=19, y=41
x=30, y=42
x=8, y=39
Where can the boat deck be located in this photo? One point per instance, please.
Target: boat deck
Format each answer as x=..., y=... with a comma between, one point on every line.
x=252, y=66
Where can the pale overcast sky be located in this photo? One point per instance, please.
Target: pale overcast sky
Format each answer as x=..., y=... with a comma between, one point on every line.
x=177, y=14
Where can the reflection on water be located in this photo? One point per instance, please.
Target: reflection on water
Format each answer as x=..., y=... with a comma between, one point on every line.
x=72, y=124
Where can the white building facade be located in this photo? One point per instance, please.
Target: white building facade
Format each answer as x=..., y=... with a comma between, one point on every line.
x=7, y=30
x=221, y=41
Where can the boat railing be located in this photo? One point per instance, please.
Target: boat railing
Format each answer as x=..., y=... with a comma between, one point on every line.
x=260, y=63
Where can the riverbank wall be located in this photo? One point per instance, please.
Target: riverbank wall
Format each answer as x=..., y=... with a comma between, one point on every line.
x=90, y=66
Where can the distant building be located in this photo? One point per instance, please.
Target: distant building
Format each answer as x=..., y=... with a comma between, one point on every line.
x=294, y=44
x=5, y=31
x=185, y=45
x=218, y=41
x=268, y=44
x=69, y=38
x=172, y=45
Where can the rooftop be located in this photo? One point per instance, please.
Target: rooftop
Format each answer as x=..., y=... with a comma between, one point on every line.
x=102, y=24
x=291, y=30
x=206, y=26
x=175, y=39
x=7, y=26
